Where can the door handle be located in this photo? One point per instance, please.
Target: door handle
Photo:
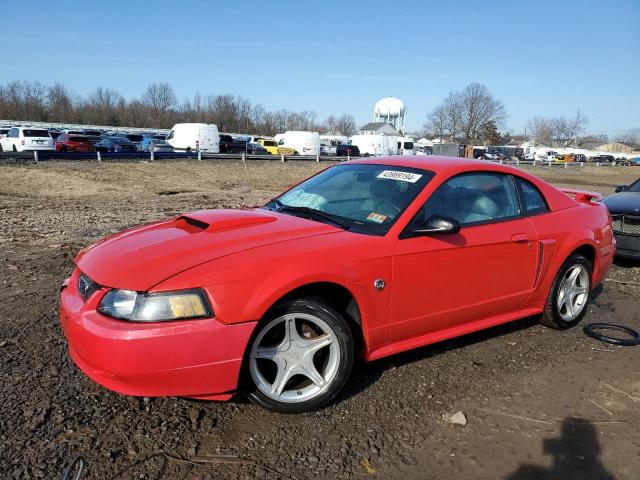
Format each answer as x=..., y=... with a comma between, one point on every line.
x=519, y=237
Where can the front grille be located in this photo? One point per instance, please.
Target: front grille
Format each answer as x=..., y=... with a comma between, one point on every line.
x=626, y=224
x=86, y=286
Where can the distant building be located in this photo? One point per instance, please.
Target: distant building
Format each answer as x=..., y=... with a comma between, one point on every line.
x=378, y=128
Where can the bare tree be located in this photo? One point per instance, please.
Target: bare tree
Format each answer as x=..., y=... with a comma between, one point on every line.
x=345, y=125
x=630, y=137
x=466, y=112
x=159, y=98
x=438, y=121
x=559, y=131
x=477, y=107
x=539, y=130
x=60, y=103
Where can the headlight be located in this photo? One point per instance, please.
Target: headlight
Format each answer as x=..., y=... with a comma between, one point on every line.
x=155, y=307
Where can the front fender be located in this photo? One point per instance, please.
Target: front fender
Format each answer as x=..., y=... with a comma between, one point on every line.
x=244, y=286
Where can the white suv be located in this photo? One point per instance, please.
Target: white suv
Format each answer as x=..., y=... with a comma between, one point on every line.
x=21, y=139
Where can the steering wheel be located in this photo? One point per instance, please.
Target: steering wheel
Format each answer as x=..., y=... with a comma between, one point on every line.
x=386, y=207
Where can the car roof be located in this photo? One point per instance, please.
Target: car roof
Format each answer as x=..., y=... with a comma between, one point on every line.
x=437, y=164
x=449, y=166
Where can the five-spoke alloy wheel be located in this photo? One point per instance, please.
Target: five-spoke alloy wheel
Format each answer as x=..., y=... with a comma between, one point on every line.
x=566, y=305
x=300, y=357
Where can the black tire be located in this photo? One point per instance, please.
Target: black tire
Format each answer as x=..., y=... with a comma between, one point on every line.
x=551, y=316
x=15, y=149
x=593, y=330
x=1, y=149
x=315, y=307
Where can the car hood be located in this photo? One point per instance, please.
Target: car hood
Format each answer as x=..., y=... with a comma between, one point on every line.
x=139, y=258
x=624, y=202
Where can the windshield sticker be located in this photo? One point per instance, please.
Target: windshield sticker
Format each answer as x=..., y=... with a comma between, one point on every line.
x=376, y=217
x=398, y=175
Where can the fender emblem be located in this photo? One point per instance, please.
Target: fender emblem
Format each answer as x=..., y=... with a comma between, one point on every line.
x=379, y=284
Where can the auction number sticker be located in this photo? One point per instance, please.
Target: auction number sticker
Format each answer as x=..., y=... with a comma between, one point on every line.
x=376, y=217
x=398, y=175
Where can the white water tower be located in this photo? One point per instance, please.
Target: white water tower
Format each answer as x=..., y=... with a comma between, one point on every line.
x=391, y=110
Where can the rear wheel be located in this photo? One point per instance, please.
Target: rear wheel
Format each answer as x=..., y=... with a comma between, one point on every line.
x=567, y=302
x=300, y=357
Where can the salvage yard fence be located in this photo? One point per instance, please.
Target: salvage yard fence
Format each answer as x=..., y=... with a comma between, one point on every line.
x=46, y=156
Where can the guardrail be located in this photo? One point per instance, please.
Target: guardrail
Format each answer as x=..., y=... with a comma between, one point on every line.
x=49, y=155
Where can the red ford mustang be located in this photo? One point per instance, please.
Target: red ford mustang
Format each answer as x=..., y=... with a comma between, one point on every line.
x=370, y=257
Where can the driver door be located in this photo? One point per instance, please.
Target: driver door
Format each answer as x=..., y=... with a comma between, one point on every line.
x=442, y=281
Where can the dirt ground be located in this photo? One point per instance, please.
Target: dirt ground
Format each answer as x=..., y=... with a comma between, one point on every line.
x=540, y=404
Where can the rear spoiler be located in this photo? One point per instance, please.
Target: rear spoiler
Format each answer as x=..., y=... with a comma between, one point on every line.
x=583, y=196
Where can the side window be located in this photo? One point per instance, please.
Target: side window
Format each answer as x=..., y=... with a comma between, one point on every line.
x=474, y=198
x=13, y=133
x=532, y=199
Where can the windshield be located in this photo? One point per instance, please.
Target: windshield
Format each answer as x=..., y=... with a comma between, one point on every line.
x=634, y=187
x=366, y=198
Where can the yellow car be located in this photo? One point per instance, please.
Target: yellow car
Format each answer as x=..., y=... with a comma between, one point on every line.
x=273, y=148
x=567, y=157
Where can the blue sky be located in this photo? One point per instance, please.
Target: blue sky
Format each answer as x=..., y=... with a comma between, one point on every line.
x=540, y=58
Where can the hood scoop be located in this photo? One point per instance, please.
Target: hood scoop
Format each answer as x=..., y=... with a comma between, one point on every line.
x=222, y=220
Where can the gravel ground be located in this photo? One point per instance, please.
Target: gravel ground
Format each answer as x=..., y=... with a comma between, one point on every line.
x=539, y=404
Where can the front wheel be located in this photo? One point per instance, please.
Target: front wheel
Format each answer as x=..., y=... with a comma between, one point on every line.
x=567, y=302
x=300, y=357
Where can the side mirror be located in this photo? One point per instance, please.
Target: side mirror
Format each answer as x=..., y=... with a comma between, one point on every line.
x=621, y=188
x=437, y=224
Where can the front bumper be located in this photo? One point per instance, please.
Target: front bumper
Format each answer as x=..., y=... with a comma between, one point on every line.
x=192, y=358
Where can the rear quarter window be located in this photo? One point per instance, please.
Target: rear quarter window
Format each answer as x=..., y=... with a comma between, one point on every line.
x=533, y=201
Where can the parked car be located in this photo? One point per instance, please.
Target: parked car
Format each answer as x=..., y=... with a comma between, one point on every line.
x=228, y=144
x=603, y=158
x=346, y=150
x=73, y=143
x=624, y=207
x=367, y=258
x=272, y=147
x=21, y=139
x=194, y=136
x=256, y=149
x=132, y=137
x=151, y=143
x=5, y=144
x=116, y=145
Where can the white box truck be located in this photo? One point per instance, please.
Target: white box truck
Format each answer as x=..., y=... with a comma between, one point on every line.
x=302, y=142
x=191, y=137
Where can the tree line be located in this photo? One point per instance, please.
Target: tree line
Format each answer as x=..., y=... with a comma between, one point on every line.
x=473, y=114
x=157, y=107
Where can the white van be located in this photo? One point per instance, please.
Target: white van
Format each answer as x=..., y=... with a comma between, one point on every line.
x=375, y=144
x=194, y=136
x=303, y=143
x=405, y=146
